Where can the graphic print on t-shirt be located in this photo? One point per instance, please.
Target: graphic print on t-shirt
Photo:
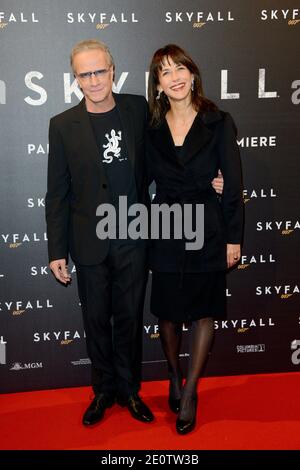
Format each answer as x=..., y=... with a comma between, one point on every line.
x=112, y=148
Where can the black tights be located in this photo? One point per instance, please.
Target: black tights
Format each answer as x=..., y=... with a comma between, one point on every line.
x=202, y=336
x=170, y=335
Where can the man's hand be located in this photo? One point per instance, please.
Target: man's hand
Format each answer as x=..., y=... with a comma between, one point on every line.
x=233, y=254
x=60, y=270
x=218, y=183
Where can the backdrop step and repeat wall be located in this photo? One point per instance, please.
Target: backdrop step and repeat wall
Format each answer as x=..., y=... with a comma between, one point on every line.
x=248, y=52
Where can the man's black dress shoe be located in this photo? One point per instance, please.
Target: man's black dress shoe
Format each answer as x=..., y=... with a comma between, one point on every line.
x=185, y=426
x=95, y=411
x=137, y=408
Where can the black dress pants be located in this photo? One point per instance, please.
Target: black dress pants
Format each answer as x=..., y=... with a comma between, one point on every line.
x=112, y=298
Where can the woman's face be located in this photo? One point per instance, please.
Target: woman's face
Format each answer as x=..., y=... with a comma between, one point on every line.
x=175, y=80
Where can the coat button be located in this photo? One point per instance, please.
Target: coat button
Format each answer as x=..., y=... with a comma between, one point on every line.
x=104, y=185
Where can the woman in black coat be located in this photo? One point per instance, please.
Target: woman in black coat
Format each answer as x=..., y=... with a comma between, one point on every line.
x=189, y=140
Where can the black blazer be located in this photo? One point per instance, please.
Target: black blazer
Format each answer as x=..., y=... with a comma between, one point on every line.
x=76, y=178
x=209, y=145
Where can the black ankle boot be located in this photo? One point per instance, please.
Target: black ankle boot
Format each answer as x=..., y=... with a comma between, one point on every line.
x=184, y=426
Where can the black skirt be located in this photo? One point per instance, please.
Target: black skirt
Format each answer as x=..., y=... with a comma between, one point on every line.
x=184, y=297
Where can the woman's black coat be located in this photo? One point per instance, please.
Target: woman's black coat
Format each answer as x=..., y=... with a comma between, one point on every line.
x=209, y=145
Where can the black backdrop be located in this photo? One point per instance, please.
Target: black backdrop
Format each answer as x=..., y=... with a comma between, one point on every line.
x=248, y=53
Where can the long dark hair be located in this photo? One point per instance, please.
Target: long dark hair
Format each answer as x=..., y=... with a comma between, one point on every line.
x=159, y=107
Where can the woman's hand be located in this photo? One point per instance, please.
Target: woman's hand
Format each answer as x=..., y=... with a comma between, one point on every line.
x=218, y=183
x=233, y=254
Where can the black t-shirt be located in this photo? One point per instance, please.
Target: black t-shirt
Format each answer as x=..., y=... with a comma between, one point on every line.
x=113, y=154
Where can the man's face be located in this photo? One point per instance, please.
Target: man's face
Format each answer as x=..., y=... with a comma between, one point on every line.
x=97, y=88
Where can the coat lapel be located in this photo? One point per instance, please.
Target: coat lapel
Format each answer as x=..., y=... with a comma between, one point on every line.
x=83, y=128
x=127, y=125
x=162, y=140
x=199, y=135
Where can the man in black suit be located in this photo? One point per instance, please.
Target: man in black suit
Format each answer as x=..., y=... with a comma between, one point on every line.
x=96, y=154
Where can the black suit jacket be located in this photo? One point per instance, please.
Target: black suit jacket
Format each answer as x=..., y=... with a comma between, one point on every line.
x=76, y=178
x=209, y=145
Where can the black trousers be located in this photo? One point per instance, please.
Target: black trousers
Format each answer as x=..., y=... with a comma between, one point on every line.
x=112, y=298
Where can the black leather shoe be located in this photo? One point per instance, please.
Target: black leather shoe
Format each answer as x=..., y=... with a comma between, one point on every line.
x=185, y=426
x=95, y=411
x=137, y=408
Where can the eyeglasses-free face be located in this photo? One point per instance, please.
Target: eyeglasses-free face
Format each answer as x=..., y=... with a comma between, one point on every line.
x=175, y=80
x=94, y=74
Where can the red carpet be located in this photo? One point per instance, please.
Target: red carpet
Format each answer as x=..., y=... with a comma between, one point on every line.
x=240, y=412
